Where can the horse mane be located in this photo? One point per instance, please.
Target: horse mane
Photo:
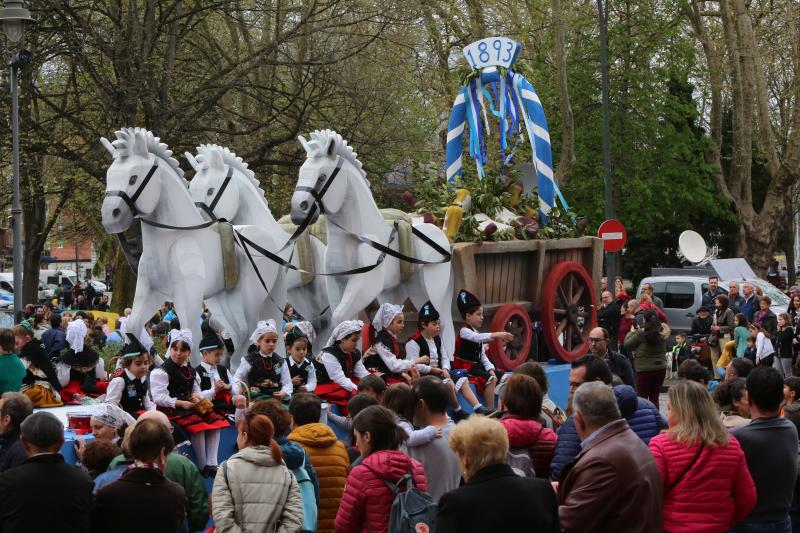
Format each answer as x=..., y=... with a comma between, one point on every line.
x=319, y=142
x=126, y=138
x=231, y=159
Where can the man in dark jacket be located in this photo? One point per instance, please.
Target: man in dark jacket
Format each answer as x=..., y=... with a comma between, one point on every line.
x=599, y=340
x=702, y=323
x=614, y=483
x=44, y=493
x=735, y=299
x=55, y=338
x=608, y=317
x=749, y=305
x=14, y=409
x=713, y=291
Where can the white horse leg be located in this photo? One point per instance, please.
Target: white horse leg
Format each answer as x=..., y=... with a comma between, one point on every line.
x=145, y=304
x=188, y=276
x=188, y=306
x=437, y=282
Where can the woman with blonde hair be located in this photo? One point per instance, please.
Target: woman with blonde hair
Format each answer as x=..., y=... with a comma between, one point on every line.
x=707, y=485
x=481, y=445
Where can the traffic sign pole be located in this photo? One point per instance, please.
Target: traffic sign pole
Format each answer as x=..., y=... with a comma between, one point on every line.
x=614, y=236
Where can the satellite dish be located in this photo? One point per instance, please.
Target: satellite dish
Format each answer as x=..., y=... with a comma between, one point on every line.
x=692, y=246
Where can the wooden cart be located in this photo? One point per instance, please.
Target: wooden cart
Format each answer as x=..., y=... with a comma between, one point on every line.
x=550, y=281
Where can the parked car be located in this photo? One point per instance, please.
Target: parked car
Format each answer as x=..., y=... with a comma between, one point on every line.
x=682, y=296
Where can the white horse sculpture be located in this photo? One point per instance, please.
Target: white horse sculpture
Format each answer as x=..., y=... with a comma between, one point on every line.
x=228, y=190
x=181, y=253
x=332, y=180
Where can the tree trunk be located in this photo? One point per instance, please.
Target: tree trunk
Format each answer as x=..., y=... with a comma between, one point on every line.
x=567, y=159
x=124, y=282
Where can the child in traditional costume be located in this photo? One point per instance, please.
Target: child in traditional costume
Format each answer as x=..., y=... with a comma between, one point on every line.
x=40, y=383
x=80, y=370
x=389, y=360
x=130, y=389
x=340, y=367
x=298, y=345
x=471, y=347
x=176, y=392
x=265, y=373
x=216, y=383
x=426, y=342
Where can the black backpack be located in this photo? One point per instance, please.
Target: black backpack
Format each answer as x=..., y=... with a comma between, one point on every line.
x=413, y=511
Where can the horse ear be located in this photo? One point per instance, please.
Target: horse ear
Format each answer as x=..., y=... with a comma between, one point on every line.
x=304, y=142
x=107, y=145
x=139, y=145
x=192, y=161
x=215, y=160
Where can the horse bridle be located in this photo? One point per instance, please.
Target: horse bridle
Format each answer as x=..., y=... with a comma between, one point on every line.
x=131, y=200
x=209, y=209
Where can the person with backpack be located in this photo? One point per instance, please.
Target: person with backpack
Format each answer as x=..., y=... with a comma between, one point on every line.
x=493, y=498
x=253, y=489
x=387, y=485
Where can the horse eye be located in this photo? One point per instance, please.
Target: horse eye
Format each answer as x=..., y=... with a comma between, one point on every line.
x=210, y=191
x=133, y=179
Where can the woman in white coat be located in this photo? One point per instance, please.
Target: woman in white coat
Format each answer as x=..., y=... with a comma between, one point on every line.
x=253, y=490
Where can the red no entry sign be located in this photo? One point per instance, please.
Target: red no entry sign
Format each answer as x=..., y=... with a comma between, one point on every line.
x=613, y=234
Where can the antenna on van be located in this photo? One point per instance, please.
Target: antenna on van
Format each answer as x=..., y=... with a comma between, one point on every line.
x=692, y=248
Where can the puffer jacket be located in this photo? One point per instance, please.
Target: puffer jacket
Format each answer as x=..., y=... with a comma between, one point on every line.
x=714, y=494
x=331, y=462
x=531, y=435
x=252, y=492
x=367, y=501
x=648, y=356
x=643, y=417
x=294, y=456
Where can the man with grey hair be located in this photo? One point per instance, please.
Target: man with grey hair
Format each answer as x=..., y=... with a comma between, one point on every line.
x=614, y=483
x=750, y=301
x=14, y=409
x=735, y=299
x=45, y=493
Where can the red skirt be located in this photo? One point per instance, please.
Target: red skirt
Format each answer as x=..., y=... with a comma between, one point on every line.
x=476, y=374
x=193, y=422
x=333, y=393
x=73, y=389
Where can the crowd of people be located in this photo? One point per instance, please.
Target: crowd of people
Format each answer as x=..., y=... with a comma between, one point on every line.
x=412, y=458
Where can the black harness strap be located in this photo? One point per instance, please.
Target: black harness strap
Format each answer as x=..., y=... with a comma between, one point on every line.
x=209, y=209
x=180, y=228
x=131, y=200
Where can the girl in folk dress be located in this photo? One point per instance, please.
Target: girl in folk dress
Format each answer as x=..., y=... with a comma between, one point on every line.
x=389, y=359
x=340, y=366
x=176, y=392
x=298, y=345
x=130, y=389
x=265, y=372
x=40, y=383
x=80, y=370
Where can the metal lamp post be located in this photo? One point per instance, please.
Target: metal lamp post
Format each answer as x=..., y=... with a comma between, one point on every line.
x=14, y=16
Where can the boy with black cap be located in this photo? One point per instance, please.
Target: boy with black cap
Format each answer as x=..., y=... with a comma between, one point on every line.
x=130, y=389
x=214, y=379
x=471, y=346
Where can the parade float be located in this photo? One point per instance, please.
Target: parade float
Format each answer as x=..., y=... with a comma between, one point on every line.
x=496, y=230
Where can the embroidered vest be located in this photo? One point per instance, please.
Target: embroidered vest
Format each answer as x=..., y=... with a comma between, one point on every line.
x=205, y=376
x=301, y=371
x=264, y=373
x=181, y=379
x=468, y=350
x=376, y=362
x=133, y=395
x=424, y=348
x=346, y=360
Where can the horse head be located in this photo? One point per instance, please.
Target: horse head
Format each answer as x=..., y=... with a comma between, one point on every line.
x=131, y=180
x=214, y=187
x=323, y=180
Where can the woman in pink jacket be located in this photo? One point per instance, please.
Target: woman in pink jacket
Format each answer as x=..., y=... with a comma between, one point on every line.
x=367, y=501
x=707, y=486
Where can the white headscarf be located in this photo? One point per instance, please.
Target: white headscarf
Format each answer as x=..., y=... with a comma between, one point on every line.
x=76, y=332
x=184, y=335
x=345, y=329
x=306, y=329
x=111, y=415
x=385, y=315
x=263, y=327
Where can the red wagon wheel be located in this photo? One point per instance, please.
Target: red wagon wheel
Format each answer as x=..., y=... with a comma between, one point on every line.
x=568, y=310
x=515, y=320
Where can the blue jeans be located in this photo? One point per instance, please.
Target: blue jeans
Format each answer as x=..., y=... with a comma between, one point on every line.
x=757, y=526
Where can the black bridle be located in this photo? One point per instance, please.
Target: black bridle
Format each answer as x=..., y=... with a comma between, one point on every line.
x=209, y=209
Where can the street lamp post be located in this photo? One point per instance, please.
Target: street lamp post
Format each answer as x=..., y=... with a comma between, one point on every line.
x=14, y=16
